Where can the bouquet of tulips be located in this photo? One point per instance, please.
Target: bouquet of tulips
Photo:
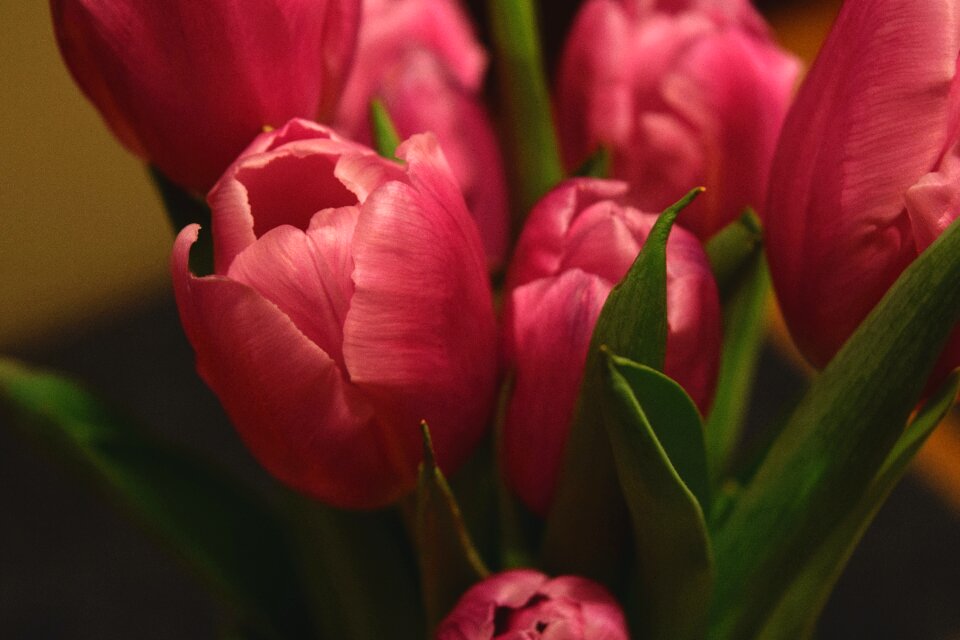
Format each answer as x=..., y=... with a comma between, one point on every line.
x=499, y=353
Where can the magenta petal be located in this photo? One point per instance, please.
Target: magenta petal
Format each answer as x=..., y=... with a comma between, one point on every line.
x=420, y=333
x=286, y=396
x=736, y=92
x=541, y=246
x=934, y=202
x=286, y=176
x=869, y=122
x=306, y=274
x=188, y=84
x=551, y=321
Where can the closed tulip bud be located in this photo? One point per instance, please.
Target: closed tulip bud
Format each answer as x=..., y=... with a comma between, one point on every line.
x=867, y=171
x=682, y=93
x=579, y=241
x=186, y=85
x=421, y=58
x=350, y=302
x=526, y=605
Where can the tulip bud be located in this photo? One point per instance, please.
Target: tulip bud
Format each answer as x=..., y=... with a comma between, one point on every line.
x=579, y=241
x=527, y=604
x=867, y=171
x=421, y=59
x=682, y=93
x=346, y=286
x=186, y=85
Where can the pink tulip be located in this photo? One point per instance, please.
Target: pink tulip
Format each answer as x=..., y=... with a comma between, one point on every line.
x=186, y=84
x=867, y=171
x=526, y=605
x=350, y=301
x=422, y=59
x=579, y=241
x=683, y=93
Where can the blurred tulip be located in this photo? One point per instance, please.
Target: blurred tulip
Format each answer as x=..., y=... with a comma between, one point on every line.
x=186, y=85
x=683, y=93
x=421, y=58
x=526, y=605
x=867, y=171
x=577, y=244
x=346, y=287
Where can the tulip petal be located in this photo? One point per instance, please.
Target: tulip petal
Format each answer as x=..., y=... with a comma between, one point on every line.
x=735, y=90
x=542, y=245
x=934, y=202
x=420, y=330
x=286, y=396
x=195, y=81
x=548, y=358
x=868, y=123
x=286, y=185
x=306, y=274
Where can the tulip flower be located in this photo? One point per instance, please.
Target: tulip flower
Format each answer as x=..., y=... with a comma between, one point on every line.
x=579, y=241
x=526, y=605
x=186, y=85
x=867, y=172
x=682, y=93
x=350, y=302
x=422, y=59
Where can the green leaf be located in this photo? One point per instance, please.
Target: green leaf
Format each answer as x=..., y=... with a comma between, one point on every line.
x=835, y=442
x=732, y=251
x=385, y=136
x=527, y=113
x=221, y=529
x=449, y=563
x=643, y=412
x=586, y=530
x=185, y=208
x=747, y=284
x=596, y=166
x=797, y=613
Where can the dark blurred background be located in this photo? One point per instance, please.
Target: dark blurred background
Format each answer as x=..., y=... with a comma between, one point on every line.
x=83, y=285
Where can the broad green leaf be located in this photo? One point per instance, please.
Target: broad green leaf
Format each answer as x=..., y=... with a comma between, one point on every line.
x=835, y=442
x=221, y=529
x=732, y=251
x=527, y=114
x=797, y=613
x=596, y=166
x=743, y=334
x=587, y=530
x=185, y=208
x=449, y=563
x=385, y=136
x=671, y=545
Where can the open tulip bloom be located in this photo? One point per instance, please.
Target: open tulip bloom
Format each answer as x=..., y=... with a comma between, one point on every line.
x=482, y=434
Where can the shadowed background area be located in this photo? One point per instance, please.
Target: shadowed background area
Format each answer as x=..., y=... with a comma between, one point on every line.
x=84, y=289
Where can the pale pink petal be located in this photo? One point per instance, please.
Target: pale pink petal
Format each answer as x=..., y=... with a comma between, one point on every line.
x=551, y=322
x=600, y=242
x=286, y=396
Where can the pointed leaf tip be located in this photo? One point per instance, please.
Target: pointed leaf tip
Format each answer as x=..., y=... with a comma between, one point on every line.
x=385, y=135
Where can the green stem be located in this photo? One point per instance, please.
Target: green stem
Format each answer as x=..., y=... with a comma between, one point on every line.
x=532, y=140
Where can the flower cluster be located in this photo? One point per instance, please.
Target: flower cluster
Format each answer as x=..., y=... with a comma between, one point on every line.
x=351, y=297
